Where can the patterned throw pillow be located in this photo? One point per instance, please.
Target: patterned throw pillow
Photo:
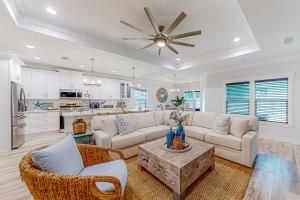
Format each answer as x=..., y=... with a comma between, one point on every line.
x=125, y=125
x=222, y=125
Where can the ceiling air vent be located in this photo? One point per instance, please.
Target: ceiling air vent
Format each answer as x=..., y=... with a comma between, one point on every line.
x=289, y=40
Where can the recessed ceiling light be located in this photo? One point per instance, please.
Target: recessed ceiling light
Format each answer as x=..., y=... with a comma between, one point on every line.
x=82, y=66
x=237, y=39
x=30, y=46
x=136, y=75
x=114, y=71
x=51, y=11
x=36, y=58
x=177, y=59
x=139, y=85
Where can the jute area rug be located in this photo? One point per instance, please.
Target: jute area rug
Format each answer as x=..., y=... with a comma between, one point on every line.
x=227, y=181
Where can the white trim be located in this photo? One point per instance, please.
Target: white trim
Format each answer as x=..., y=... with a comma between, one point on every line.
x=252, y=79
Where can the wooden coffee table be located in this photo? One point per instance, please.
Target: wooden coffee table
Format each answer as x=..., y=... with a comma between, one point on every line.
x=177, y=170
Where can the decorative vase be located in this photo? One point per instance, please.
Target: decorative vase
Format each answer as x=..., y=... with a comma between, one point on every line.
x=178, y=143
x=170, y=137
x=180, y=132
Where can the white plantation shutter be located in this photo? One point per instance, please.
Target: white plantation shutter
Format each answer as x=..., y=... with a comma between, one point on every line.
x=238, y=98
x=271, y=100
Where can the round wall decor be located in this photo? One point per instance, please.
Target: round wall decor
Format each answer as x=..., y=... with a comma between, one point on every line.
x=162, y=95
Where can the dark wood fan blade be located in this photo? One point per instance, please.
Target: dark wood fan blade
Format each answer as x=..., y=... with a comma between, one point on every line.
x=137, y=39
x=172, y=49
x=136, y=28
x=185, y=35
x=182, y=43
x=175, y=23
x=149, y=45
x=152, y=20
x=159, y=51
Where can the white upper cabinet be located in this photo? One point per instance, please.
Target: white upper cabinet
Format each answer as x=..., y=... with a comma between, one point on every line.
x=94, y=91
x=125, y=89
x=26, y=82
x=52, y=85
x=15, y=71
x=110, y=89
x=38, y=84
x=70, y=80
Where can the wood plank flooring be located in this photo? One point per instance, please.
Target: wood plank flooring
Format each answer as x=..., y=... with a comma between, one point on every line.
x=273, y=178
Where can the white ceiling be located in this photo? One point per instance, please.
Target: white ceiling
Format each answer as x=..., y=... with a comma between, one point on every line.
x=82, y=30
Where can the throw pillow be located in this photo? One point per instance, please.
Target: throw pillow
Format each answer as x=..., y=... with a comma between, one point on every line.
x=239, y=126
x=222, y=125
x=125, y=125
x=61, y=158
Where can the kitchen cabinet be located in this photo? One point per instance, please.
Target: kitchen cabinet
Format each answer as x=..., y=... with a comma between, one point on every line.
x=15, y=71
x=40, y=122
x=52, y=85
x=125, y=90
x=40, y=84
x=93, y=90
x=26, y=82
x=110, y=89
x=70, y=80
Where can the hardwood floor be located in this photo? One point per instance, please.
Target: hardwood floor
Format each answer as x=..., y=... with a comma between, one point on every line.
x=273, y=178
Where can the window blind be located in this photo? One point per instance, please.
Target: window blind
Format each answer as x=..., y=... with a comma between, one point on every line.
x=238, y=98
x=271, y=100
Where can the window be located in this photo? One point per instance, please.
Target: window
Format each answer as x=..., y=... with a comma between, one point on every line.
x=192, y=100
x=271, y=100
x=140, y=97
x=238, y=98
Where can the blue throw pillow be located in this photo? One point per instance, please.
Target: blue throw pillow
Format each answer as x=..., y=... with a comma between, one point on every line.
x=61, y=158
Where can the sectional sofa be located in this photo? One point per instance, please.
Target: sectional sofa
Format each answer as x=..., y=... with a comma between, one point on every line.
x=240, y=146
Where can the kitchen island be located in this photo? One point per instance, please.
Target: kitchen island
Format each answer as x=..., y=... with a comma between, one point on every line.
x=70, y=117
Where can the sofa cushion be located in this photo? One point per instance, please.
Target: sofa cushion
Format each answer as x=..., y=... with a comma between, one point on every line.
x=107, y=124
x=158, y=117
x=253, y=124
x=204, y=119
x=196, y=132
x=116, y=168
x=125, y=124
x=239, y=126
x=222, y=125
x=61, y=158
x=143, y=120
x=122, y=141
x=229, y=140
x=155, y=131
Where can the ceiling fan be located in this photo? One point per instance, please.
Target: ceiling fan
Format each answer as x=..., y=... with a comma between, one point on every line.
x=162, y=36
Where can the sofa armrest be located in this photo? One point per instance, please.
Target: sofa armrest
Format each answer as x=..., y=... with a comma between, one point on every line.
x=250, y=147
x=101, y=138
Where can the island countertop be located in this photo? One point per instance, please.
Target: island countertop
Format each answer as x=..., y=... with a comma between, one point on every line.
x=99, y=112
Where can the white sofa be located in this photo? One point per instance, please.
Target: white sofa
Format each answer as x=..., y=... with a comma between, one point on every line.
x=152, y=125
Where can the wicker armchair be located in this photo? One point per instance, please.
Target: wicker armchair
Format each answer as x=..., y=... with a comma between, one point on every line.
x=50, y=186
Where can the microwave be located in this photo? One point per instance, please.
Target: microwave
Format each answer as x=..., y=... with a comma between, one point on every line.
x=70, y=94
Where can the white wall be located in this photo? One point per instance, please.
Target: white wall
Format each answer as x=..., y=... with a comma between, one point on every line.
x=215, y=96
x=5, y=116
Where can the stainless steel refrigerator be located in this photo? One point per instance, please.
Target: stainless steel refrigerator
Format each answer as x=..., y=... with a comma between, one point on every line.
x=18, y=108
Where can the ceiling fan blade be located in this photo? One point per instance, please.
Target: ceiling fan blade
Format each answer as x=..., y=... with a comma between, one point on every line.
x=152, y=20
x=159, y=51
x=137, y=39
x=185, y=35
x=175, y=23
x=149, y=45
x=136, y=28
x=171, y=48
x=182, y=43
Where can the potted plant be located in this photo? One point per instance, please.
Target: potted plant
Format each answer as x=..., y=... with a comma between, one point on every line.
x=178, y=101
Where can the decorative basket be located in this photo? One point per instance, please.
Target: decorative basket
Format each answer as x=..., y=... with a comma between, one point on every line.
x=79, y=126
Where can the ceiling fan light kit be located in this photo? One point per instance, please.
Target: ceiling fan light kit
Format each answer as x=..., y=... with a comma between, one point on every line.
x=162, y=36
